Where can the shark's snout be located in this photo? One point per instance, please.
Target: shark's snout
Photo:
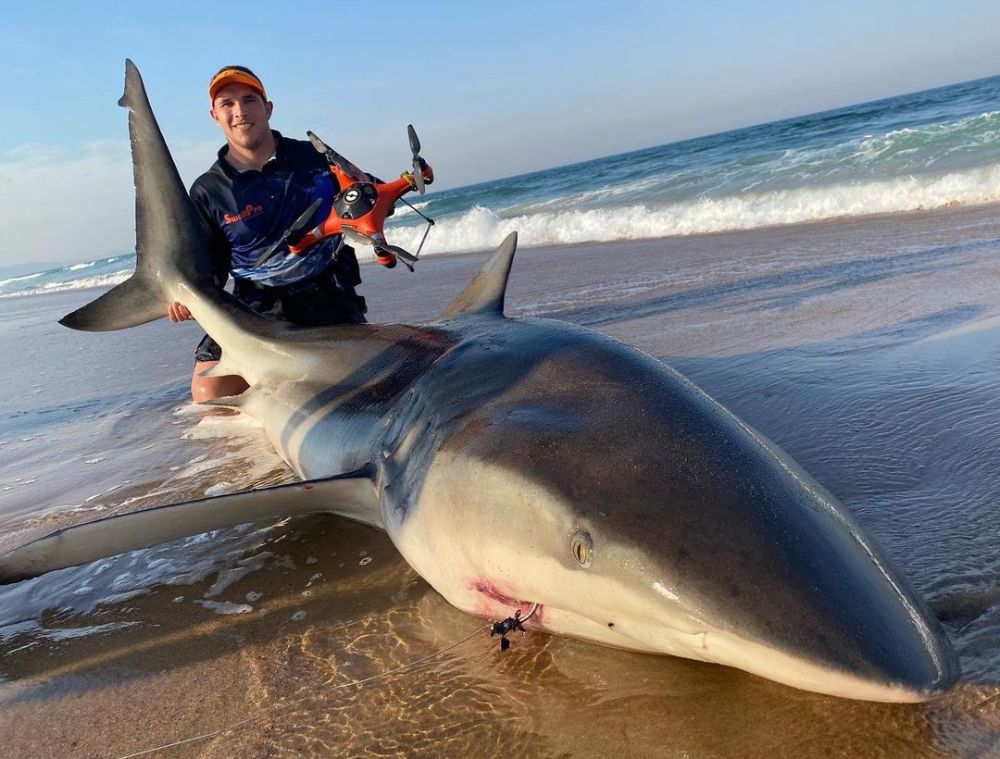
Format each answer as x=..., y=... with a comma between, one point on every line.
x=895, y=655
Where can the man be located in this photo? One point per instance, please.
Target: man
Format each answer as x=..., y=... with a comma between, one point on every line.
x=251, y=195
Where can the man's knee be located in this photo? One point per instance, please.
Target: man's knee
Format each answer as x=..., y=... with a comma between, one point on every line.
x=206, y=388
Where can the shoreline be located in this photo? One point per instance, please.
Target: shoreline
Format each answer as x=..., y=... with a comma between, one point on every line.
x=771, y=229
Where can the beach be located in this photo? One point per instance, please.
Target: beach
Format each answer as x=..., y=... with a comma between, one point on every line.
x=867, y=347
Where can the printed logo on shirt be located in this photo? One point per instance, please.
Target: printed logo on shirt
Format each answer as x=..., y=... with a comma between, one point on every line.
x=246, y=213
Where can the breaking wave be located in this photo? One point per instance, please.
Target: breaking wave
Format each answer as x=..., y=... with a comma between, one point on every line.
x=540, y=224
x=102, y=273
x=482, y=227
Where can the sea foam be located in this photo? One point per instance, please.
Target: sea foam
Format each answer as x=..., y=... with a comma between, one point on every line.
x=569, y=221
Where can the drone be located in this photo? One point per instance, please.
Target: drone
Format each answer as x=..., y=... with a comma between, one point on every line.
x=360, y=209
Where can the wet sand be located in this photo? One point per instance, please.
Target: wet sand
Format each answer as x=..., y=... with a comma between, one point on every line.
x=868, y=349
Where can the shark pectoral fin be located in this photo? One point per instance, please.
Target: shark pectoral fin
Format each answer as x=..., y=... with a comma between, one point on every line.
x=485, y=293
x=350, y=495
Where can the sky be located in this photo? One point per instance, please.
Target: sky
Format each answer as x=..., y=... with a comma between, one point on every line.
x=494, y=90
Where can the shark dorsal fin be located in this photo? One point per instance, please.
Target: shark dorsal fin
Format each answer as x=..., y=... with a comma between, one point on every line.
x=483, y=296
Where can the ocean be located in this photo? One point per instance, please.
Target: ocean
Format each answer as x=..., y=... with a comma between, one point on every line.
x=925, y=150
x=832, y=279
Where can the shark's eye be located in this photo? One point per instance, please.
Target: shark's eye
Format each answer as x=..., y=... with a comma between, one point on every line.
x=583, y=548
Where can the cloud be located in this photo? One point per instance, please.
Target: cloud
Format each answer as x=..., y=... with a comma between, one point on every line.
x=57, y=205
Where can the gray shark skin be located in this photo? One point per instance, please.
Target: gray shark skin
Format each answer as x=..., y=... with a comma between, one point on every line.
x=529, y=464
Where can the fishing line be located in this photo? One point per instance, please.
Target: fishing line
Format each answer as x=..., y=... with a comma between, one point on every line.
x=511, y=623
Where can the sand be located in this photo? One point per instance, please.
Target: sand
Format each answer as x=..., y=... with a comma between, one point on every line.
x=868, y=349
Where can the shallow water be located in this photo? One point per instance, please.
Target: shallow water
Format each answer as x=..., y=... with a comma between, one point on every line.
x=868, y=349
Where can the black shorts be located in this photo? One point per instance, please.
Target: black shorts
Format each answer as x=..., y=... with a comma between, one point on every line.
x=328, y=298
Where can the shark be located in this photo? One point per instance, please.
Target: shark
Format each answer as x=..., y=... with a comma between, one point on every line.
x=526, y=465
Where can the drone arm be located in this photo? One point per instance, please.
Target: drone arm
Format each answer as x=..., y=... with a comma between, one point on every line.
x=330, y=226
x=343, y=178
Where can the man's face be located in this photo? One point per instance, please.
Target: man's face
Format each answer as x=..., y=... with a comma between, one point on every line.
x=243, y=115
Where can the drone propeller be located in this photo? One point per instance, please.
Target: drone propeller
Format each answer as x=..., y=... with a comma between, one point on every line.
x=336, y=159
x=299, y=226
x=418, y=168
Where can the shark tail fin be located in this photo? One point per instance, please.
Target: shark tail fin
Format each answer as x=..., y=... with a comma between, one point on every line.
x=351, y=495
x=171, y=242
x=484, y=295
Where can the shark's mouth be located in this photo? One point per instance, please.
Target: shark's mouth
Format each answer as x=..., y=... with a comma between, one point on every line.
x=492, y=602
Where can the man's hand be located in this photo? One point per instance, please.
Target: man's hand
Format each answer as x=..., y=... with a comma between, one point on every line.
x=178, y=312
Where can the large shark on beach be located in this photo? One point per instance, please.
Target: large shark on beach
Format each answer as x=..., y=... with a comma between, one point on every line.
x=527, y=464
